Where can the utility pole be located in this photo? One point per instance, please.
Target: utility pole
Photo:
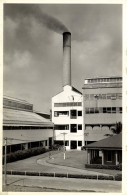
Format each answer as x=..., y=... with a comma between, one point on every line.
x=64, y=144
x=5, y=162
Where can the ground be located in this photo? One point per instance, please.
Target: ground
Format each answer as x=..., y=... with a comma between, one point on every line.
x=55, y=163
x=75, y=159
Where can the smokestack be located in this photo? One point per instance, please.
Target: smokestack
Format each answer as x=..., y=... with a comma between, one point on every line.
x=66, y=58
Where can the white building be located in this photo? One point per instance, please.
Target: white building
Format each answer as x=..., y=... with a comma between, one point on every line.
x=67, y=118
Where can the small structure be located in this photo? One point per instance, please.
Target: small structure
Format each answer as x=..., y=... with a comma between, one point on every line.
x=106, y=152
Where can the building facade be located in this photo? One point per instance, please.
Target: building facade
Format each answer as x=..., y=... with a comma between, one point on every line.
x=102, y=106
x=23, y=128
x=67, y=118
x=105, y=152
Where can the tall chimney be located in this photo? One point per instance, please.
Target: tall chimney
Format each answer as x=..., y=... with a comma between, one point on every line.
x=66, y=58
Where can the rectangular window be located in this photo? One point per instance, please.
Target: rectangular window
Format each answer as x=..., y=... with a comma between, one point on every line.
x=73, y=114
x=79, y=127
x=61, y=127
x=66, y=143
x=104, y=110
x=108, y=109
x=79, y=113
x=96, y=110
x=109, y=96
x=79, y=143
x=73, y=128
x=113, y=109
x=61, y=113
x=113, y=96
x=91, y=110
x=103, y=96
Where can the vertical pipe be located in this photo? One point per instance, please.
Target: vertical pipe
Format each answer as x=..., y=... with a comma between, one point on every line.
x=66, y=58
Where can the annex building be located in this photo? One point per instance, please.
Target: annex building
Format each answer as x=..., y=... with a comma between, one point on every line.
x=102, y=106
x=23, y=128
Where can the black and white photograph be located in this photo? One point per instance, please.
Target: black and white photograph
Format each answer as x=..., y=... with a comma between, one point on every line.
x=62, y=97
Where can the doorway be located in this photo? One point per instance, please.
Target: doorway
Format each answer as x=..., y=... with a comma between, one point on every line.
x=73, y=145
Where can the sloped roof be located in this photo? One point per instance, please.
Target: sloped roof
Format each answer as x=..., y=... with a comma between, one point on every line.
x=74, y=89
x=110, y=142
x=19, y=117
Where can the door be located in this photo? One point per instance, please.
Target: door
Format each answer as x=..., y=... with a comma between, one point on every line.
x=73, y=145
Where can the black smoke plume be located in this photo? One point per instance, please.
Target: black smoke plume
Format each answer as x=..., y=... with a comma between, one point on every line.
x=19, y=11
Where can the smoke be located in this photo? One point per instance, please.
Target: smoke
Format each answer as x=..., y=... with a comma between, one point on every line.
x=19, y=11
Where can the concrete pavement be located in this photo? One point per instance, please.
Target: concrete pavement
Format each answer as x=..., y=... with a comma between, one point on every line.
x=67, y=184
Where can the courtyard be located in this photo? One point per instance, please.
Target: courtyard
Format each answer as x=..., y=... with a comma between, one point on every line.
x=53, y=161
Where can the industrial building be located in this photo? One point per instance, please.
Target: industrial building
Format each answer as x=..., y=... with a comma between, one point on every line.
x=102, y=106
x=67, y=106
x=83, y=118
x=23, y=128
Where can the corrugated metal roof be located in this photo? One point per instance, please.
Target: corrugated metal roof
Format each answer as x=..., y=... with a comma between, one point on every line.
x=11, y=116
x=110, y=142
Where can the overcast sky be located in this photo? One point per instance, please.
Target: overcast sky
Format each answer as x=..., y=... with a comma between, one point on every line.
x=33, y=50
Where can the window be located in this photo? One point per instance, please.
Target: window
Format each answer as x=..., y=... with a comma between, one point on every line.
x=79, y=143
x=103, y=96
x=104, y=110
x=108, y=96
x=66, y=104
x=73, y=128
x=113, y=109
x=66, y=143
x=79, y=127
x=79, y=113
x=73, y=114
x=91, y=110
x=61, y=113
x=109, y=155
x=108, y=109
x=61, y=127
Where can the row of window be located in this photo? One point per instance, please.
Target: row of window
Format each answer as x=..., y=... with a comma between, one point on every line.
x=67, y=104
x=103, y=110
x=67, y=143
x=99, y=80
x=73, y=113
x=112, y=96
x=73, y=127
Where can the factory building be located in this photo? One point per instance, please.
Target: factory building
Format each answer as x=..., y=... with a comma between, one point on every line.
x=102, y=106
x=82, y=119
x=23, y=128
x=67, y=106
x=67, y=118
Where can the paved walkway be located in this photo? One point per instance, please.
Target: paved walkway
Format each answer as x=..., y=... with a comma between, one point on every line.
x=67, y=184
x=66, y=168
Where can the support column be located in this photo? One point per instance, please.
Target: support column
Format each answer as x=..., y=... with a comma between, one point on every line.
x=116, y=155
x=102, y=157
